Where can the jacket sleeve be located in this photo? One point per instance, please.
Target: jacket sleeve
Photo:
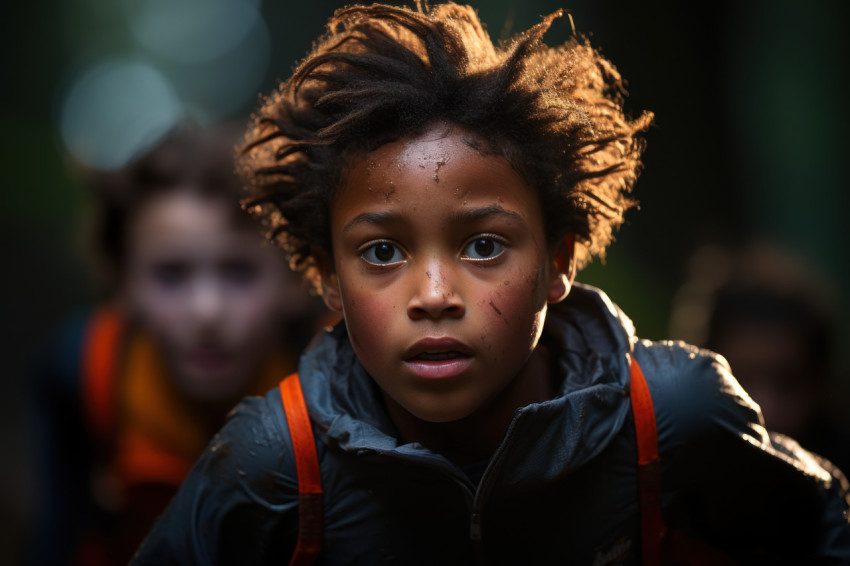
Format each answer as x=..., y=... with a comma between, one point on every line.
x=239, y=504
x=759, y=497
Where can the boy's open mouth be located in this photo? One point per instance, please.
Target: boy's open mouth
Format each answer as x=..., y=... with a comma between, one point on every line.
x=439, y=356
x=439, y=365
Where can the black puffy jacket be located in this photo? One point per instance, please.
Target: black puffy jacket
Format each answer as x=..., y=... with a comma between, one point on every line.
x=561, y=488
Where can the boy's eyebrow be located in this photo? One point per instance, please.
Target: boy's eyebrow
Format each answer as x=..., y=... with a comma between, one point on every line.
x=372, y=218
x=473, y=214
x=467, y=215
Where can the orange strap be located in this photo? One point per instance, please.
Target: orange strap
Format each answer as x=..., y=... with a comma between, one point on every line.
x=310, y=502
x=99, y=369
x=649, y=468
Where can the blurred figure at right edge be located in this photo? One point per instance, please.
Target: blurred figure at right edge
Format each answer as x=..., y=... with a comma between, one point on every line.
x=771, y=317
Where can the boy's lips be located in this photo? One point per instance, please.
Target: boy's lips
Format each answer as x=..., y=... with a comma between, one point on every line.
x=438, y=358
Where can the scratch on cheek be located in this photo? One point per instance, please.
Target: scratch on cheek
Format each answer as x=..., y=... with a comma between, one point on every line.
x=428, y=274
x=495, y=308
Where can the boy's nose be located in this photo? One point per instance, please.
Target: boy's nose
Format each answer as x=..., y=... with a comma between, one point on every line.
x=435, y=296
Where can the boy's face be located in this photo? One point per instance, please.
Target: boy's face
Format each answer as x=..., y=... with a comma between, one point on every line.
x=442, y=272
x=210, y=293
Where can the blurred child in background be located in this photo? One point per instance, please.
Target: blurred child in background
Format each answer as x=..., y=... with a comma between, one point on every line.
x=771, y=317
x=200, y=313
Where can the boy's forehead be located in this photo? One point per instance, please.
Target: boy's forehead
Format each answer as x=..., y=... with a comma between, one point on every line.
x=438, y=169
x=435, y=148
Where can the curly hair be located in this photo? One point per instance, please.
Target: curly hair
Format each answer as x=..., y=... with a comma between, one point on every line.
x=381, y=73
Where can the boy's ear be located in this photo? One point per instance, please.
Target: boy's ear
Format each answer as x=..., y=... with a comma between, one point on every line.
x=330, y=283
x=563, y=269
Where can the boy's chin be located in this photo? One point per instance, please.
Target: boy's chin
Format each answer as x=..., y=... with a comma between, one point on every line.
x=440, y=415
x=441, y=418
x=423, y=412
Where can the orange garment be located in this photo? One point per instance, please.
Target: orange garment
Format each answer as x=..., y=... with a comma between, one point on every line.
x=147, y=436
x=160, y=434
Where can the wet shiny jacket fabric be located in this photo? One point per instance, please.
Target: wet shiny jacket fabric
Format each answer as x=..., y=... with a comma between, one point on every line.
x=561, y=488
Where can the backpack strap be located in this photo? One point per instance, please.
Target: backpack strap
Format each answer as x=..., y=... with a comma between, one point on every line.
x=99, y=370
x=649, y=468
x=310, y=501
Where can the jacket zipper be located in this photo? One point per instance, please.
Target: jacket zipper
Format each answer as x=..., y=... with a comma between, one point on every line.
x=486, y=484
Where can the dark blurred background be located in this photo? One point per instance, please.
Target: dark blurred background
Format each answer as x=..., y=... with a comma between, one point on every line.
x=750, y=141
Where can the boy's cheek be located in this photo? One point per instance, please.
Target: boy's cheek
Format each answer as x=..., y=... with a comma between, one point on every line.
x=518, y=296
x=368, y=317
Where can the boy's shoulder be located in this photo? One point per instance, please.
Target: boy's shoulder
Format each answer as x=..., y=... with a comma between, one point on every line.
x=255, y=437
x=747, y=489
x=677, y=364
x=704, y=416
x=695, y=393
x=252, y=451
x=239, y=503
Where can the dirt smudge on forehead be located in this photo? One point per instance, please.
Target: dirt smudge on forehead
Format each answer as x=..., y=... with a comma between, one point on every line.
x=439, y=164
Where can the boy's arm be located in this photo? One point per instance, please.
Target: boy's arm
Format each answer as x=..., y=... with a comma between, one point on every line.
x=239, y=503
x=726, y=479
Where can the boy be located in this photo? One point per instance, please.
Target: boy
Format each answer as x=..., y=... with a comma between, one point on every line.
x=201, y=314
x=474, y=406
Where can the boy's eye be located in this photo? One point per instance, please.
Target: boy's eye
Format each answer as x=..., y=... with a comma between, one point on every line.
x=483, y=248
x=382, y=253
